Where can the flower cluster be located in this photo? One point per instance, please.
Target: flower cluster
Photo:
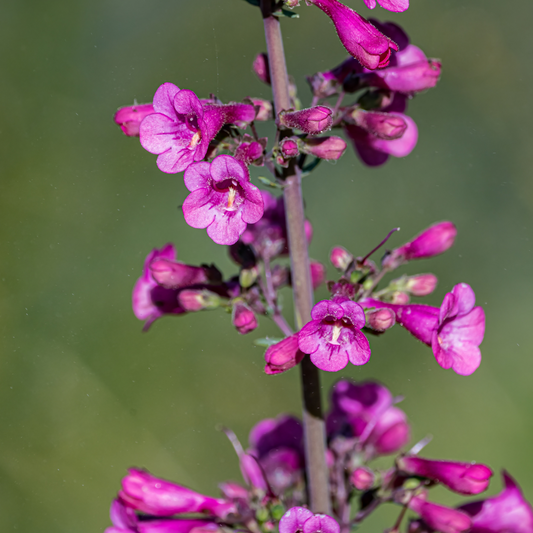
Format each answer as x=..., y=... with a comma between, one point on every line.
x=363, y=424
x=334, y=336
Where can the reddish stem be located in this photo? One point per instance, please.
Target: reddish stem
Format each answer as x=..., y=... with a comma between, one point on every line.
x=314, y=427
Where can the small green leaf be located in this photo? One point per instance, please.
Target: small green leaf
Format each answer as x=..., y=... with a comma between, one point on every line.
x=267, y=341
x=307, y=169
x=285, y=13
x=269, y=183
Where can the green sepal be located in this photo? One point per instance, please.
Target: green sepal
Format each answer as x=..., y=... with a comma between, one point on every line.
x=269, y=183
x=307, y=169
x=265, y=342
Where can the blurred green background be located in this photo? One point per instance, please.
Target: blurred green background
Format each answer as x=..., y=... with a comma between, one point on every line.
x=84, y=394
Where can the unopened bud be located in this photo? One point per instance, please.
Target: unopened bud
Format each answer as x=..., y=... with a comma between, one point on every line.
x=173, y=275
x=398, y=298
x=249, y=152
x=197, y=300
x=340, y=258
x=421, y=285
x=289, y=147
x=312, y=120
x=243, y=318
x=292, y=3
x=129, y=118
x=318, y=274
x=380, y=319
x=283, y=355
x=261, y=68
x=248, y=276
x=330, y=148
x=385, y=126
x=362, y=478
x=264, y=109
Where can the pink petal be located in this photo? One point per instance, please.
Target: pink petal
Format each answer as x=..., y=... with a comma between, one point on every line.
x=355, y=313
x=308, y=338
x=164, y=99
x=398, y=147
x=411, y=54
x=226, y=228
x=225, y=166
x=197, y=176
x=198, y=209
x=394, y=5
x=158, y=133
x=359, y=349
x=465, y=297
x=252, y=209
x=329, y=357
x=187, y=103
x=371, y=4
x=177, y=159
x=326, y=308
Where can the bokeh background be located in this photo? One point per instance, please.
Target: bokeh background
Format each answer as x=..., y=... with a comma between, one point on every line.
x=84, y=394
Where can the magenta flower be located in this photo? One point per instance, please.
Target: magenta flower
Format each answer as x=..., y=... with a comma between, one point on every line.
x=454, y=331
x=440, y=518
x=374, y=151
x=150, y=300
x=125, y=520
x=333, y=336
x=174, y=274
x=312, y=120
x=179, y=131
x=432, y=241
x=222, y=199
x=392, y=5
x=181, y=127
x=464, y=478
x=250, y=153
x=321, y=523
x=362, y=40
x=278, y=446
x=508, y=512
x=283, y=356
x=330, y=148
x=365, y=411
x=143, y=492
x=129, y=118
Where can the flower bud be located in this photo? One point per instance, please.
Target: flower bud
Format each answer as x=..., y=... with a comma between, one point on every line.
x=243, y=318
x=248, y=276
x=331, y=148
x=252, y=472
x=233, y=491
x=340, y=258
x=399, y=298
x=289, y=147
x=421, y=285
x=380, y=319
x=433, y=241
x=173, y=275
x=261, y=68
x=129, y=118
x=382, y=125
x=362, y=40
x=264, y=109
x=362, y=478
x=249, y=152
x=312, y=120
x=464, y=478
x=318, y=274
x=283, y=355
x=440, y=518
x=292, y=3
x=197, y=300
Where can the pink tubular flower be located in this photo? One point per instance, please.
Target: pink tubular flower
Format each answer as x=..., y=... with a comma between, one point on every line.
x=333, y=336
x=365, y=411
x=264, y=109
x=454, y=331
x=174, y=274
x=261, y=68
x=422, y=284
x=129, y=118
x=464, y=478
x=243, y=318
x=222, y=199
x=150, y=300
x=440, y=518
x=330, y=148
x=362, y=40
x=312, y=120
x=374, y=151
x=283, y=355
x=143, y=492
x=432, y=241
x=392, y=5
x=278, y=445
x=508, y=512
x=181, y=127
x=318, y=273
x=385, y=126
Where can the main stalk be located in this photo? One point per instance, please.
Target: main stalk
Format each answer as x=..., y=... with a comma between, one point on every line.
x=314, y=427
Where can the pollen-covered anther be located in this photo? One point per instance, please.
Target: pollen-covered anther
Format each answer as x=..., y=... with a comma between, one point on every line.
x=231, y=197
x=196, y=140
x=335, y=334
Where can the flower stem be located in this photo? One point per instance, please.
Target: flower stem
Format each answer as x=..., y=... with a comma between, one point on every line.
x=314, y=427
